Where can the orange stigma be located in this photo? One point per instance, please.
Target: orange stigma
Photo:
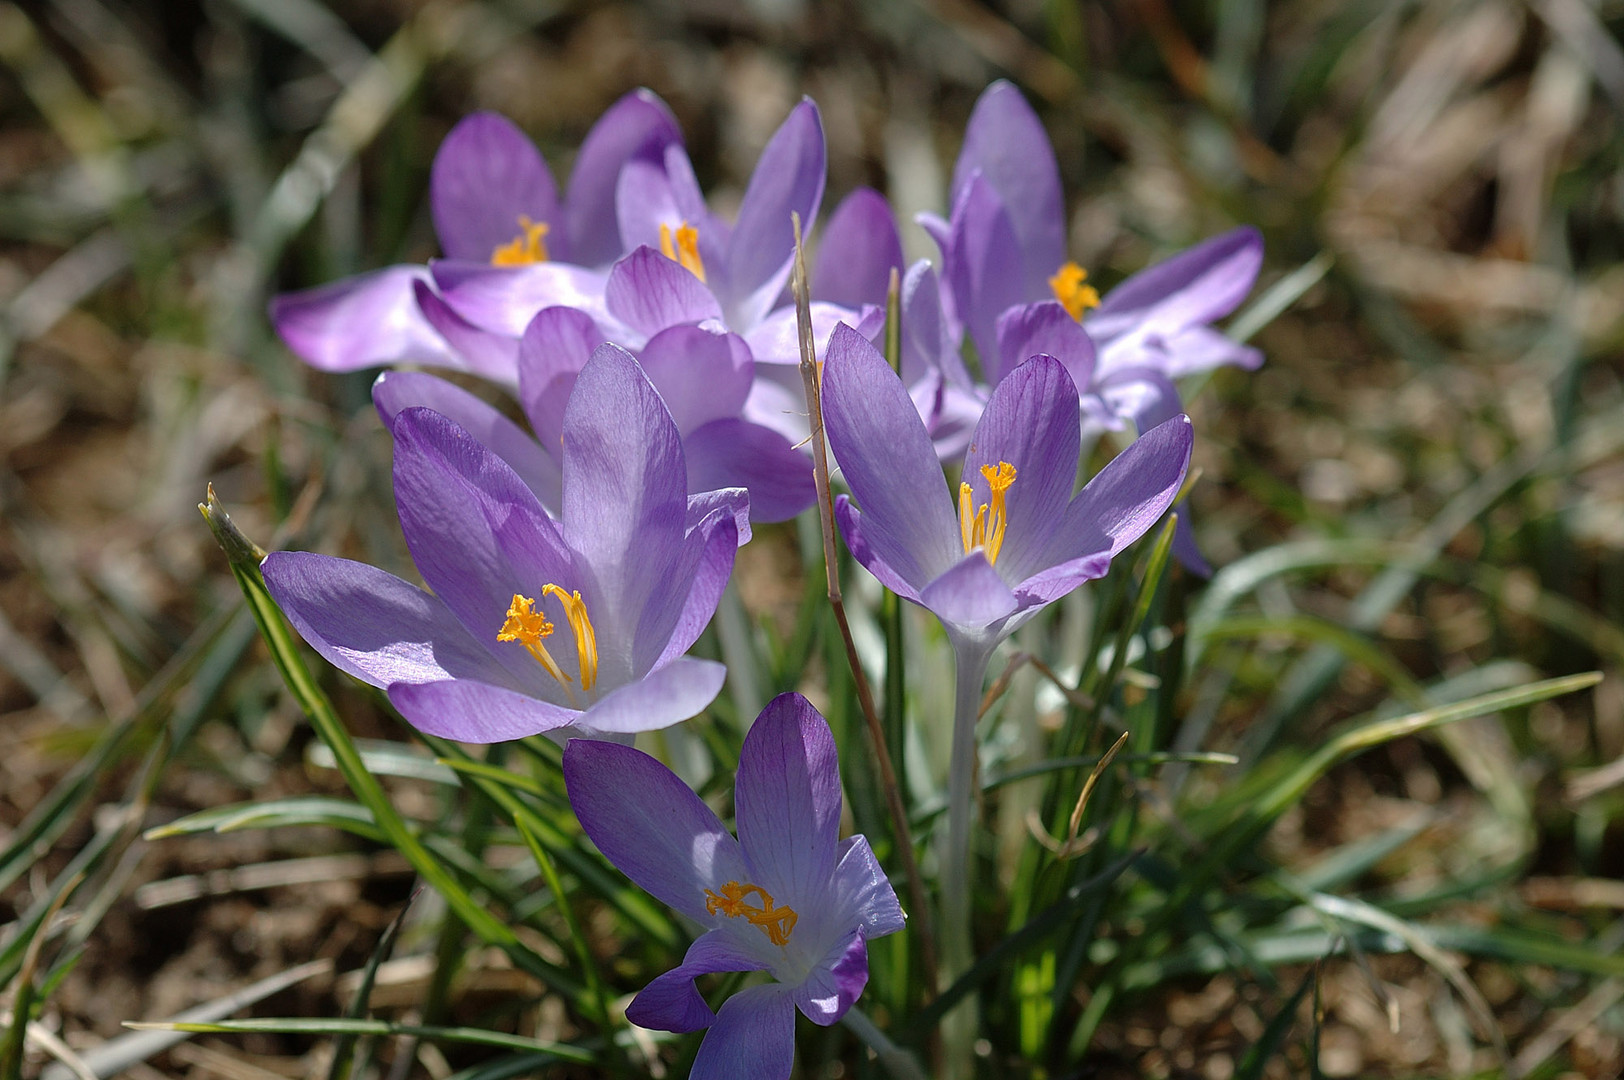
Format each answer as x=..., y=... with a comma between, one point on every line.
x=776, y=922
x=527, y=625
x=683, y=248
x=529, y=246
x=984, y=527
x=586, y=638
x=1069, y=289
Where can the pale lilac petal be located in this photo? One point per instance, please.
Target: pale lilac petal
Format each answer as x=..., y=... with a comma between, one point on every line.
x=787, y=800
x=1197, y=349
x=736, y=453
x=970, y=597
x=637, y=127
x=753, y=1037
x=649, y=292
x=929, y=343
x=1128, y=496
x=665, y=696
x=486, y=174
x=941, y=230
x=736, y=503
x=1031, y=423
x=788, y=178
x=835, y=982
x=714, y=543
x=776, y=338
x=778, y=401
x=1053, y=582
x=859, y=251
x=985, y=272
x=471, y=711
x=855, y=533
x=644, y=200
x=371, y=624
x=491, y=356
x=1047, y=328
x=1005, y=142
x=861, y=893
x=650, y=824
x=701, y=375
x=503, y=299
x=1196, y=286
x=887, y=460
x=364, y=321
x=555, y=347
x=671, y=1002
x=396, y=391
x=956, y=420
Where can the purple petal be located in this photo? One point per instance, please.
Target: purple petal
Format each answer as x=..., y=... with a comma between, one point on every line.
x=985, y=272
x=969, y=597
x=365, y=321
x=637, y=127
x=862, y=893
x=491, y=356
x=503, y=299
x=941, y=230
x=649, y=292
x=650, y=825
x=753, y=1037
x=487, y=174
x=1193, y=350
x=1031, y=423
x=1053, y=582
x=787, y=178
x=928, y=341
x=372, y=625
x=1006, y=143
x=671, y=1002
x=835, y=982
x=787, y=800
x=776, y=338
x=734, y=501
x=855, y=532
x=737, y=453
x=776, y=405
x=471, y=711
x=476, y=532
x=1128, y=495
x=1196, y=286
x=695, y=583
x=395, y=391
x=1047, y=328
x=665, y=696
x=555, y=347
x=859, y=251
x=887, y=460
x=701, y=375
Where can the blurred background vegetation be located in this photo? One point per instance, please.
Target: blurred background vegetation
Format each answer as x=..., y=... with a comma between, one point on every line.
x=1429, y=470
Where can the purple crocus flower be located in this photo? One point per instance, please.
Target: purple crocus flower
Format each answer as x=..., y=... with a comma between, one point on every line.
x=501, y=224
x=630, y=577
x=788, y=897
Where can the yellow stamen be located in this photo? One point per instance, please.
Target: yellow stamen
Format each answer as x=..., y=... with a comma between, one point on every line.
x=529, y=246
x=586, y=638
x=776, y=922
x=528, y=626
x=983, y=527
x=1069, y=289
x=685, y=249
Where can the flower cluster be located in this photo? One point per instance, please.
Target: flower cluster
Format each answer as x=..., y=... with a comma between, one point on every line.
x=571, y=567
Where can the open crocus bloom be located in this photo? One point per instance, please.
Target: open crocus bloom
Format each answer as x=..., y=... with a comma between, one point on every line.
x=504, y=230
x=788, y=897
x=533, y=626
x=1014, y=538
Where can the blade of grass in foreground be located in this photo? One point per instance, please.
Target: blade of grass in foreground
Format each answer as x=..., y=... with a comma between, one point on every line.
x=293, y=1026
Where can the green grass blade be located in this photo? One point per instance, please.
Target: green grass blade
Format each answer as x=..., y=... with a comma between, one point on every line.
x=381, y=1028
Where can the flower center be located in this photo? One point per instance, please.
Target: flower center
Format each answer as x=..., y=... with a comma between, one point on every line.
x=984, y=528
x=529, y=246
x=683, y=247
x=776, y=922
x=1069, y=289
x=526, y=625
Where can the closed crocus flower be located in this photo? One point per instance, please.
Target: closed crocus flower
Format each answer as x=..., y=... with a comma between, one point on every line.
x=531, y=626
x=788, y=897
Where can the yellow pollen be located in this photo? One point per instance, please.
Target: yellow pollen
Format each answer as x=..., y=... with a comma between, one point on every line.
x=776, y=922
x=528, y=626
x=586, y=638
x=529, y=246
x=1069, y=289
x=684, y=249
x=983, y=527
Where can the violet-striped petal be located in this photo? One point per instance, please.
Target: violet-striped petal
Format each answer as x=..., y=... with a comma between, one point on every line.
x=488, y=355
x=650, y=825
x=1197, y=349
x=665, y=696
x=396, y=391
x=788, y=178
x=970, y=597
x=1127, y=496
x=860, y=249
x=701, y=375
x=503, y=299
x=1053, y=582
x=753, y=1037
x=855, y=530
x=787, y=799
x=649, y=292
x=364, y=321
x=859, y=890
x=471, y=711
x=986, y=270
x=776, y=338
x=714, y=542
x=836, y=982
x=486, y=175
x=928, y=340
x=734, y=502
x=671, y=1002
x=737, y=453
x=1198, y=285
x=637, y=127
x=1047, y=328
x=555, y=347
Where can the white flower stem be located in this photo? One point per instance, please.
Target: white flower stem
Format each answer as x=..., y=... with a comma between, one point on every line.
x=969, y=671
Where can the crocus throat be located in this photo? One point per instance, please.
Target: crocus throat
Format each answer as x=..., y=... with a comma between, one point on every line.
x=1069, y=289
x=526, y=625
x=776, y=922
x=683, y=248
x=984, y=527
x=529, y=246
